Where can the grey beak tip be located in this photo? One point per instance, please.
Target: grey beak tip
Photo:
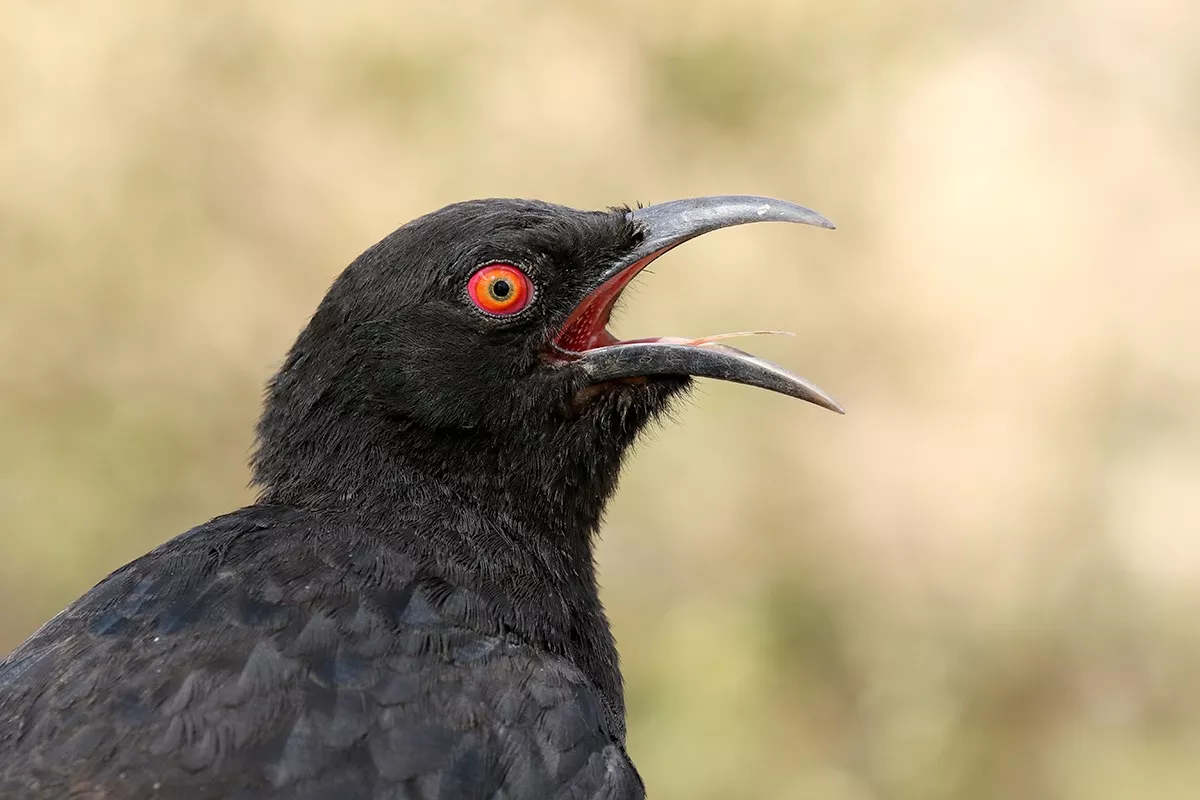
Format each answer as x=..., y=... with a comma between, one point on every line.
x=818, y=397
x=809, y=217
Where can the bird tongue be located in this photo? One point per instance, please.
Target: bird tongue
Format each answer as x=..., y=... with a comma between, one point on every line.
x=703, y=340
x=586, y=327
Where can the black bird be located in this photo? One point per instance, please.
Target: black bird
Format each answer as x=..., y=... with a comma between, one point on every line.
x=410, y=609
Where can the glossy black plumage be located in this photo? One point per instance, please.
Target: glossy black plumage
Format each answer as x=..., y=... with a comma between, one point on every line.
x=214, y=668
x=410, y=610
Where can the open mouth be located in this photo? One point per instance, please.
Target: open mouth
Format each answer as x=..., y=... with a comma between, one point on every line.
x=585, y=340
x=587, y=326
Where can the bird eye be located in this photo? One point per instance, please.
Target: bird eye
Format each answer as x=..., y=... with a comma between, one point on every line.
x=500, y=289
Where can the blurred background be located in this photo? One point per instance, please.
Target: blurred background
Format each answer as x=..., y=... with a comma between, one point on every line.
x=983, y=582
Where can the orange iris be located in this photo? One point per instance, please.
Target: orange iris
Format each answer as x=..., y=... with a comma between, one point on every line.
x=500, y=289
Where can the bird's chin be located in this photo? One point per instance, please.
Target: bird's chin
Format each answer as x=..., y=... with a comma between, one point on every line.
x=642, y=394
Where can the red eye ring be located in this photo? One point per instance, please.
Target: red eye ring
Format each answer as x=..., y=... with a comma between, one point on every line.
x=500, y=289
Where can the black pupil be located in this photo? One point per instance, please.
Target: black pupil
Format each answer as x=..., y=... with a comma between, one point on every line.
x=501, y=289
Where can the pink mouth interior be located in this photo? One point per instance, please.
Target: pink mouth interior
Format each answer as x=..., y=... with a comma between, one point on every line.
x=585, y=327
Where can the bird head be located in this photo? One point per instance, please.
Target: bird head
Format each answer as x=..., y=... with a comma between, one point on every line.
x=483, y=326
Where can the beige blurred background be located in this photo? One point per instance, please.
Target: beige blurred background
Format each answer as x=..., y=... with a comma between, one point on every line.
x=983, y=582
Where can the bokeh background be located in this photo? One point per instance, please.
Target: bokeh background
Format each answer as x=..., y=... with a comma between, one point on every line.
x=983, y=582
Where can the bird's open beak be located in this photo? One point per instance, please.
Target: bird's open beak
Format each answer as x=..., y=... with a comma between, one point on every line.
x=585, y=340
